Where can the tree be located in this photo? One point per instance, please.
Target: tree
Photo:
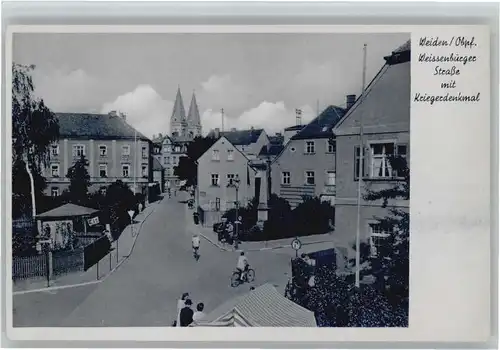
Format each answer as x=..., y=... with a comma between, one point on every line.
x=34, y=126
x=392, y=262
x=187, y=169
x=79, y=181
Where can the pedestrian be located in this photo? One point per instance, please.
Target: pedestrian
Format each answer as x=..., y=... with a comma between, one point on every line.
x=186, y=314
x=199, y=314
x=181, y=303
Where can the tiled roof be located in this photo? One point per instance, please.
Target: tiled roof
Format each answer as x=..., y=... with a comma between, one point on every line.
x=264, y=307
x=272, y=150
x=95, y=126
x=157, y=165
x=240, y=137
x=295, y=127
x=322, y=125
x=67, y=210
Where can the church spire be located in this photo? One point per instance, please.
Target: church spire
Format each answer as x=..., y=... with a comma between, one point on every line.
x=193, y=114
x=178, y=113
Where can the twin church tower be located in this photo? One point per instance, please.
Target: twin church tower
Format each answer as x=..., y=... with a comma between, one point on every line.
x=181, y=126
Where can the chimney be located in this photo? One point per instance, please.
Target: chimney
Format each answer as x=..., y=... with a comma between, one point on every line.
x=217, y=133
x=112, y=114
x=350, y=100
x=233, y=129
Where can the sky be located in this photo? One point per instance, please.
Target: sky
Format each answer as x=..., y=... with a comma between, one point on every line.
x=259, y=79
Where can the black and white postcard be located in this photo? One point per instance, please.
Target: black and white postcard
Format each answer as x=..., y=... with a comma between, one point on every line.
x=251, y=177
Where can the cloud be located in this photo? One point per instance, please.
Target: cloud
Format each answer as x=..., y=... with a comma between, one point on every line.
x=222, y=91
x=145, y=109
x=272, y=116
x=68, y=90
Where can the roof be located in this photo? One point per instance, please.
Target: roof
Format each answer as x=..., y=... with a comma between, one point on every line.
x=276, y=139
x=295, y=127
x=382, y=96
x=157, y=165
x=96, y=126
x=178, y=112
x=272, y=150
x=67, y=210
x=262, y=307
x=322, y=125
x=193, y=114
x=240, y=137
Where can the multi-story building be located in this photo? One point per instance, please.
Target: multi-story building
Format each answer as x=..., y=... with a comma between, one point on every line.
x=169, y=149
x=306, y=165
x=158, y=173
x=383, y=115
x=225, y=175
x=113, y=148
x=249, y=142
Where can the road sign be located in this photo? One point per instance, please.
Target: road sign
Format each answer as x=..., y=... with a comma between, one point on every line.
x=131, y=213
x=296, y=244
x=93, y=221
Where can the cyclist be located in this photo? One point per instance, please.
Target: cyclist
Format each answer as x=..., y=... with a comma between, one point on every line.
x=242, y=266
x=196, y=243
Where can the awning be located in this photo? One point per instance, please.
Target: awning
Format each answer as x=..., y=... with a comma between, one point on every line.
x=66, y=211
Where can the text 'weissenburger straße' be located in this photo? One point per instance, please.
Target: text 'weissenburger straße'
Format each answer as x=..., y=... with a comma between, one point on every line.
x=452, y=57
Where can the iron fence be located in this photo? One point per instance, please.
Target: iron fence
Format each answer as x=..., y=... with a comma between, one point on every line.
x=29, y=267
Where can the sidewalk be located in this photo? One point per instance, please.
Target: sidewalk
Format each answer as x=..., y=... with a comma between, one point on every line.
x=121, y=249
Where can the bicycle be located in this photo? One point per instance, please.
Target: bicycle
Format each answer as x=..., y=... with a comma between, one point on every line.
x=236, y=279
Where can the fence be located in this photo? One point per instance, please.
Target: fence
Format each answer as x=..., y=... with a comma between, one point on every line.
x=29, y=267
x=67, y=261
x=209, y=218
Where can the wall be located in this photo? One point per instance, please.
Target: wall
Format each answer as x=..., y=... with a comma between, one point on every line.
x=114, y=159
x=297, y=163
x=206, y=167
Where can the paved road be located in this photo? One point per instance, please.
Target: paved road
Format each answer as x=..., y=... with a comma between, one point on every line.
x=145, y=289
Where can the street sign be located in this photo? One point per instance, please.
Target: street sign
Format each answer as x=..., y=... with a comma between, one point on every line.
x=296, y=244
x=131, y=213
x=93, y=221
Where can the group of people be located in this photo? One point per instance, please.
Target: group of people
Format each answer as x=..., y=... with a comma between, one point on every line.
x=226, y=233
x=185, y=314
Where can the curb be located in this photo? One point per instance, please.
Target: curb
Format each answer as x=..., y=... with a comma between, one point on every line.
x=48, y=289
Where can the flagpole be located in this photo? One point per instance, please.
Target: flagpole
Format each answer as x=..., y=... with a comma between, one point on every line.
x=360, y=175
x=135, y=159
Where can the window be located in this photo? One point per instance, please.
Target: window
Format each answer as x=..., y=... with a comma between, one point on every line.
x=215, y=180
x=310, y=178
x=166, y=160
x=103, y=170
x=285, y=178
x=54, y=191
x=103, y=190
x=103, y=150
x=144, y=170
x=292, y=149
x=54, y=150
x=144, y=152
x=215, y=155
x=309, y=147
x=177, y=148
x=230, y=179
x=331, y=146
x=126, y=150
x=377, y=236
x=330, y=178
x=401, y=151
x=126, y=170
x=166, y=149
x=174, y=160
x=380, y=154
x=78, y=150
x=230, y=154
x=54, y=170
x=167, y=171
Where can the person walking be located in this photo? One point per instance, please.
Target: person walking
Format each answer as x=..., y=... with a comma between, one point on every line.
x=186, y=315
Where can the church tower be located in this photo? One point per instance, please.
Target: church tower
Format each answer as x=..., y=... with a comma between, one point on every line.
x=178, y=123
x=193, y=119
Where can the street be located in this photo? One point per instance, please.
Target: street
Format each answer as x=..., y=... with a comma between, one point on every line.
x=145, y=289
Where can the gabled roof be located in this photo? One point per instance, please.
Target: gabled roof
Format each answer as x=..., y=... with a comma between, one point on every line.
x=295, y=127
x=262, y=307
x=178, y=113
x=157, y=165
x=193, y=114
x=66, y=211
x=96, y=126
x=322, y=125
x=377, y=93
x=240, y=137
